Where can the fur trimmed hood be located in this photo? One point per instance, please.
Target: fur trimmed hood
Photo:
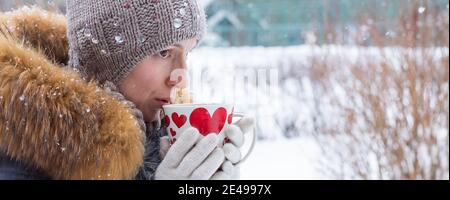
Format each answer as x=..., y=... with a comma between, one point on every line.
x=52, y=119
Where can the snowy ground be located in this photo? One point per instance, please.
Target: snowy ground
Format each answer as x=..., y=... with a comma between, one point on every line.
x=282, y=159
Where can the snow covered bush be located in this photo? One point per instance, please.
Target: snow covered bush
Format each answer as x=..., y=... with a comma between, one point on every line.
x=389, y=105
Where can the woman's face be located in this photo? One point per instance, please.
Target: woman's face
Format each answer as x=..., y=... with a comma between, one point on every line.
x=149, y=84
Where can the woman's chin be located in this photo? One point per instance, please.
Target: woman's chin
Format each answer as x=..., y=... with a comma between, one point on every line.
x=152, y=115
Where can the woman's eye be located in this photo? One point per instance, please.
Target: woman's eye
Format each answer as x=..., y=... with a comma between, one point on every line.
x=164, y=54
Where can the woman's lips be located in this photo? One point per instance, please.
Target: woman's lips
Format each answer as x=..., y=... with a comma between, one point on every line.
x=162, y=101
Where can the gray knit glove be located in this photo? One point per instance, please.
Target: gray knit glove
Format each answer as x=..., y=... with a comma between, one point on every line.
x=235, y=132
x=191, y=157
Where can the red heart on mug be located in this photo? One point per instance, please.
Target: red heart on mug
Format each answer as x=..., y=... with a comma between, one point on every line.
x=167, y=119
x=226, y=140
x=202, y=120
x=230, y=117
x=179, y=120
x=173, y=140
x=172, y=132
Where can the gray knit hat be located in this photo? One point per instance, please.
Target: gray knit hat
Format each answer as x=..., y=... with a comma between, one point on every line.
x=107, y=38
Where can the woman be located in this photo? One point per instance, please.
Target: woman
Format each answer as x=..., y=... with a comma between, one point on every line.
x=98, y=118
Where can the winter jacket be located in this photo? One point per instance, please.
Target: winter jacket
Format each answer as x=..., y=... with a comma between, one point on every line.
x=53, y=123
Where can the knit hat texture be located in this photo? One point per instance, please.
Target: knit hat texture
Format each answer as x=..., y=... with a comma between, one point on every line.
x=107, y=38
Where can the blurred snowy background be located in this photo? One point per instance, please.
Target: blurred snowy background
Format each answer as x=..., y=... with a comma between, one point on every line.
x=341, y=89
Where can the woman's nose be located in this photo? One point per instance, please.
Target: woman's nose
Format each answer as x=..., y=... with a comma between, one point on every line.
x=178, y=76
x=180, y=62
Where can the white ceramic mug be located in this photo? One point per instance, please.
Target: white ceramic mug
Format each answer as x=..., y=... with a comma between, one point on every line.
x=206, y=118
